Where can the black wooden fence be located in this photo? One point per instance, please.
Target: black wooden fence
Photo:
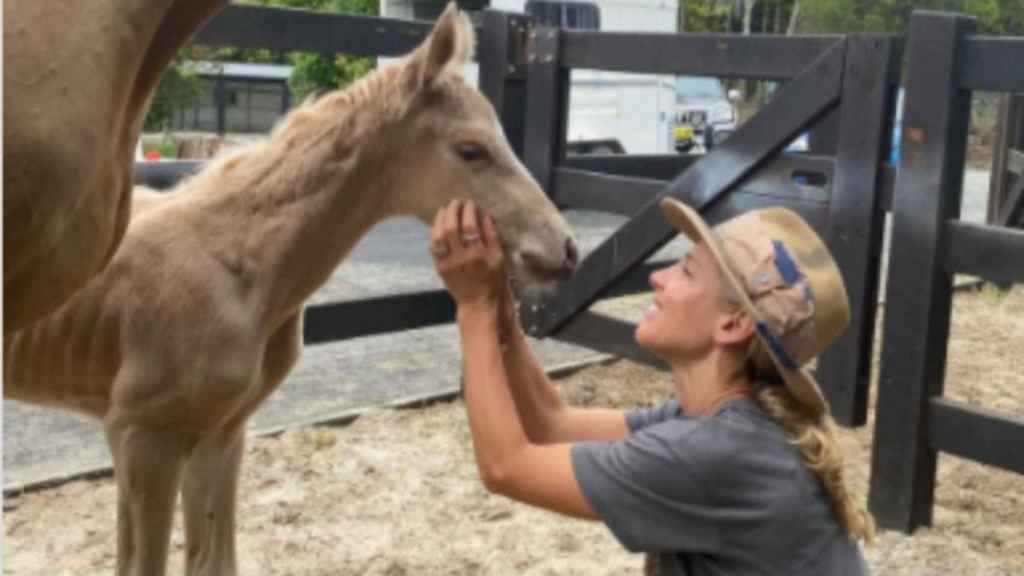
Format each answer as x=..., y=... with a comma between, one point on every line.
x=929, y=245
x=1006, y=195
x=844, y=80
x=842, y=87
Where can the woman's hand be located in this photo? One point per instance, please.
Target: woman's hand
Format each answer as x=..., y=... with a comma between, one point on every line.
x=468, y=257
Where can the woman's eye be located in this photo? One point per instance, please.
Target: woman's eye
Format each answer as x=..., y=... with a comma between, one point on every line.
x=470, y=152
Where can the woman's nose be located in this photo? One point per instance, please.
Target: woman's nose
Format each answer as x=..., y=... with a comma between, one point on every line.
x=655, y=279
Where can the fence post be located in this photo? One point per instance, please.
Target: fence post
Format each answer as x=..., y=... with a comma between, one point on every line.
x=919, y=290
x=220, y=98
x=547, y=95
x=502, y=59
x=862, y=123
x=1010, y=137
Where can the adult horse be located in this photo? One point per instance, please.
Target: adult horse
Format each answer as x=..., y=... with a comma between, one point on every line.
x=78, y=75
x=198, y=319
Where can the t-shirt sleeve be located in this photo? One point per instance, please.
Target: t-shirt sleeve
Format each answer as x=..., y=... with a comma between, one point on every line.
x=641, y=418
x=647, y=488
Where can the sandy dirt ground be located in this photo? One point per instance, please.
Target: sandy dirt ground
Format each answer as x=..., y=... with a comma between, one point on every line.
x=396, y=492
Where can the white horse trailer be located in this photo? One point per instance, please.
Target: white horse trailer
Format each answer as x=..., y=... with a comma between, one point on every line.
x=609, y=112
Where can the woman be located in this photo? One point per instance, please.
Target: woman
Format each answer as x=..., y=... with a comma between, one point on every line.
x=740, y=472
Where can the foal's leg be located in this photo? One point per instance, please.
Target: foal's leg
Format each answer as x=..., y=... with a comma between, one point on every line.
x=147, y=468
x=209, y=491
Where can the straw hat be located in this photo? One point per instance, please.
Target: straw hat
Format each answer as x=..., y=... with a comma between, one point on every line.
x=786, y=280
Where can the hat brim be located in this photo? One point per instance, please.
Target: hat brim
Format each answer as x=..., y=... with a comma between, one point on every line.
x=685, y=219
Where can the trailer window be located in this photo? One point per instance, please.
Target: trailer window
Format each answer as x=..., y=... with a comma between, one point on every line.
x=574, y=15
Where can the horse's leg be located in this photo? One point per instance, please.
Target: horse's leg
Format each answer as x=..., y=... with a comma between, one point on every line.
x=209, y=491
x=147, y=468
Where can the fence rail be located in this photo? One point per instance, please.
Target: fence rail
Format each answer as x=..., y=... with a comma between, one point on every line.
x=992, y=63
x=976, y=433
x=1006, y=189
x=723, y=55
x=993, y=253
x=288, y=29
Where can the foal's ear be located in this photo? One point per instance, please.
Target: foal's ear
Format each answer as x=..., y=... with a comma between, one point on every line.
x=449, y=45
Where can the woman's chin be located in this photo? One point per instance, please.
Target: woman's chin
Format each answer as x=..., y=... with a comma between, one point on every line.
x=642, y=334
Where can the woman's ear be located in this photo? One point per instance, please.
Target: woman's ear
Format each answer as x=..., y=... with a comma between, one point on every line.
x=734, y=327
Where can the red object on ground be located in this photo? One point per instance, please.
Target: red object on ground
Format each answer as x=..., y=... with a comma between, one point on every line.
x=152, y=155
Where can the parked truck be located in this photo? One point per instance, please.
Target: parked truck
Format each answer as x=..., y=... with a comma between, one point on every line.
x=609, y=112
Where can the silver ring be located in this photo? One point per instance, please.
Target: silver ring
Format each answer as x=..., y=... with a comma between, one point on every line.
x=439, y=250
x=470, y=238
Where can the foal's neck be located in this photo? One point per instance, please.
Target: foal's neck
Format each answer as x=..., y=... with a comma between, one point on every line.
x=282, y=215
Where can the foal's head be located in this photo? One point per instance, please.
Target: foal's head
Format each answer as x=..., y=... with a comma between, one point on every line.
x=450, y=144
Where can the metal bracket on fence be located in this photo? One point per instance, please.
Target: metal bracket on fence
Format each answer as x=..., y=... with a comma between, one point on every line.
x=520, y=40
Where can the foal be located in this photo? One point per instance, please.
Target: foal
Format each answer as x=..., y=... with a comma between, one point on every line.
x=198, y=318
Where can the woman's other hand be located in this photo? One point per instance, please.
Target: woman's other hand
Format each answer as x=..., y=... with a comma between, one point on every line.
x=468, y=257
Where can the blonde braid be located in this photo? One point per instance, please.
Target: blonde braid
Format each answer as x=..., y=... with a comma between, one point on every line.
x=817, y=439
x=814, y=435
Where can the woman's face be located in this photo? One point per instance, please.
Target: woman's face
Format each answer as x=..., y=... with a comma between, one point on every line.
x=687, y=308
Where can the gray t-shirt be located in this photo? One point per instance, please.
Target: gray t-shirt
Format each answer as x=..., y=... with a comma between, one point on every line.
x=724, y=495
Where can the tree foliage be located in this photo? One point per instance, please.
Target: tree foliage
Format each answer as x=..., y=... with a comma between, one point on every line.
x=893, y=16
x=840, y=16
x=178, y=88
x=313, y=73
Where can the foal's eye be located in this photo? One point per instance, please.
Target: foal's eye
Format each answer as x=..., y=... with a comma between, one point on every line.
x=470, y=152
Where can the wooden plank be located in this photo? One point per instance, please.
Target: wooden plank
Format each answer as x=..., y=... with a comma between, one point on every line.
x=577, y=189
x=580, y=190
x=1012, y=212
x=1007, y=163
x=977, y=433
x=857, y=221
x=165, y=174
x=608, y=335
x=658, y=166
x=798, y=104
x=886, y=185
x=636, y=280
x=919, y=289
x=722, y=55
x=502, y=78
x=287, y=29
x=990, y=252
x=547, y=91
x=379, y=315
x=1015, y=162
x=992, y=64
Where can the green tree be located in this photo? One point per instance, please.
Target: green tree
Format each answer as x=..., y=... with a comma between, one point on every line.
x=893, y=16
x=703, y=16
x=313, y=73
x=178, y=88
x=1011, y=13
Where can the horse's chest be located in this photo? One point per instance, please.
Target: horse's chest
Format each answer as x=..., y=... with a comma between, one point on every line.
x=280, y=354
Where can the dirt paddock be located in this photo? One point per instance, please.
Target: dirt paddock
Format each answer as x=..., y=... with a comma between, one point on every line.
x=396, y=492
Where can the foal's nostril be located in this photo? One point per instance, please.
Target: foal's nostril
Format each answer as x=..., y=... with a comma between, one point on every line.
x=572, y=254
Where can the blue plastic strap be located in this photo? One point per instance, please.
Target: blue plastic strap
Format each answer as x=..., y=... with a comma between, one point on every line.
x=787, y=266
x=776, y=346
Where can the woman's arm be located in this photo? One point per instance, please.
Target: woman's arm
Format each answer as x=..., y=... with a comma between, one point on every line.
x=509, y=464
x=470, y=261
x=546, y=417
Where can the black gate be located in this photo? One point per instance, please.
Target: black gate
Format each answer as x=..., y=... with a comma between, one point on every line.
x=840, y=84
